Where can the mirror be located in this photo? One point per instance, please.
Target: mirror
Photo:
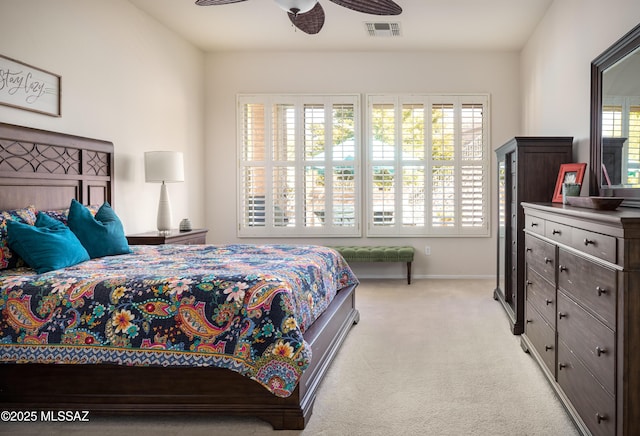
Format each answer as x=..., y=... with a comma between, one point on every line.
x=615, y=121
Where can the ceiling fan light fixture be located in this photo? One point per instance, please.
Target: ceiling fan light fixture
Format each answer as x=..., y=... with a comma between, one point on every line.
x=296, y=6
x=308, y=15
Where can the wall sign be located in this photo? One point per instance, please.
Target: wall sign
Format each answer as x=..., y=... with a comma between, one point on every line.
x=26, y=87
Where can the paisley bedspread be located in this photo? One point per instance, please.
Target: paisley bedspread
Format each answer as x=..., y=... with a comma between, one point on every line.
x=241, y=307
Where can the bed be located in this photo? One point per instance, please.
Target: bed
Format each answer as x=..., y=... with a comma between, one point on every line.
x=270, y=355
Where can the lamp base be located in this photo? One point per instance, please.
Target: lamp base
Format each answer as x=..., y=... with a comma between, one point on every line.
x=164, y=210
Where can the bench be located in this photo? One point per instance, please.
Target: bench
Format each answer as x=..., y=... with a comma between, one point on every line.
x=378, y=253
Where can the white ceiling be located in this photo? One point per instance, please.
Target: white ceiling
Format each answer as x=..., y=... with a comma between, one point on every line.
x=425, y=25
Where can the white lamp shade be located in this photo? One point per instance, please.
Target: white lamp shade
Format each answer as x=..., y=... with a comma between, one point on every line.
x=163, y=166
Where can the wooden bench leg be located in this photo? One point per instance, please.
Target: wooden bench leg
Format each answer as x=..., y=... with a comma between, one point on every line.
x=408, y=273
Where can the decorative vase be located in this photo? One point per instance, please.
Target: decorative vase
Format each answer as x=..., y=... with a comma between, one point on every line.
x=185, y=225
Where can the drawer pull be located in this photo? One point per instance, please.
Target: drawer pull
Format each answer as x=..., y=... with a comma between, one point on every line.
x=561, y=365
x=600, y=418
x=548, y=301
x=601, y=351
x=528, y=250
x=534, y=224
x=529, y=282
x=562, y=268
x=547, y=260
x=529, y=321
x=556, y=232
x=548, y=347
x=562, y=315
x=589, y=242
x=600, y=291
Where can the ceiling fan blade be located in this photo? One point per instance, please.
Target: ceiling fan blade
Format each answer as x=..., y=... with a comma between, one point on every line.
x=217, y=2
x=309, y=22
x=375, y=7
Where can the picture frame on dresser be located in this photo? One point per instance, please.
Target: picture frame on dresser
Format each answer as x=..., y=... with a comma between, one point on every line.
x=569, y=173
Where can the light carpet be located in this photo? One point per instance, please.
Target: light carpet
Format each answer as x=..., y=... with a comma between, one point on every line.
x=432, y=358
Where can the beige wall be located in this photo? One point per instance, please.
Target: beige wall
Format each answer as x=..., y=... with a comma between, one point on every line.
x=126, y=79
x=362, y=72
x=556, y=64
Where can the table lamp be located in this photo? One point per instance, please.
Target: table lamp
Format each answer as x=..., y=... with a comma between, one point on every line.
x=164, y=167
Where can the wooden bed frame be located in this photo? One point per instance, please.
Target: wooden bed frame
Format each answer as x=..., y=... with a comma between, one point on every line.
x=47, y=169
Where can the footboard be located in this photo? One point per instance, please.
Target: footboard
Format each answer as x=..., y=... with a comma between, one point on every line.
x=113, y=389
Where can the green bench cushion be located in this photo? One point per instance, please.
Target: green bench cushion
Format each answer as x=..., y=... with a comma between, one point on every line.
x=376, y=253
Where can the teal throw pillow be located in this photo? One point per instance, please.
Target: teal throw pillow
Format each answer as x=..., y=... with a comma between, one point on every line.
x=46, y=246
x=102, y=235
x=8, y=257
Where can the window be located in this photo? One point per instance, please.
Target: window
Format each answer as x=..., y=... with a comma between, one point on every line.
x=427, y=165
x=299, y=165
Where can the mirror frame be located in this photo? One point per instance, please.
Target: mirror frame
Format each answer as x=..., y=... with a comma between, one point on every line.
x=621, y=48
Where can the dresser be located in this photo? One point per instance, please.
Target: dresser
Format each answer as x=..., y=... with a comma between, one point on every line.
x=195, y=236
x=582, y=311
x=527, y=171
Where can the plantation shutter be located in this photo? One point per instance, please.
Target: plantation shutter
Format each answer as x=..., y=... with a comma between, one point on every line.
x=298, y=165
x=428, y=165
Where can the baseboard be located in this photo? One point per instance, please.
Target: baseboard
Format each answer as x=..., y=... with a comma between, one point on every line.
x=428, y=276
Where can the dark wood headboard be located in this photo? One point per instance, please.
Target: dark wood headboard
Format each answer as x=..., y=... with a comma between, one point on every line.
x=47, y=169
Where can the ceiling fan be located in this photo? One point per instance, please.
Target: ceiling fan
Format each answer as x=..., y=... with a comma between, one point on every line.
x=308, y=15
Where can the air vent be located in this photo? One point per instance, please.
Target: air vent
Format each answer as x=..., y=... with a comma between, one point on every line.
x=383, y=29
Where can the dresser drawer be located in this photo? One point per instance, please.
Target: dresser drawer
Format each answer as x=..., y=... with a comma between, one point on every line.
x=558, y=232
x=534, y=224
x=595, y=244
x=540, y=256
x=594, y=405
x=590, y=340
x=542, y=295
x=541, y=335
x=592, y=284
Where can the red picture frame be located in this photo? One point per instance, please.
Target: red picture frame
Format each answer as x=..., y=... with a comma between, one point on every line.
x=569, y=173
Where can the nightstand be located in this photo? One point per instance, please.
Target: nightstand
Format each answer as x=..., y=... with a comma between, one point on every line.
x=195, y=236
